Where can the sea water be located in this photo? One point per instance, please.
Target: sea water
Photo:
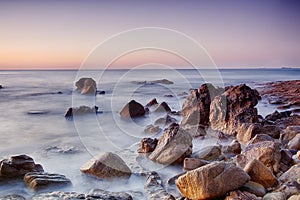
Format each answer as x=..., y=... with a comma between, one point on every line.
x=32, y=122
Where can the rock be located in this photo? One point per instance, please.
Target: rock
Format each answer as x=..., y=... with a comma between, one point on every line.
x=193, y=163
x=1, y=86
x=174, y=145
x=41, y=180
x=106, y=166
x=101, y=92
x=295, y=197
x=82, y=110
x=196, y=107
x=246, y=131
x=286, y=158
x=163, y=81
x=154, y=188
x=233, y=148
x=288, y=121
x=147, y=145
x=162, y=107
x=86, y=86
x=289, y=133
x=208, y=153
x=298, y=155
x=132, y=109
x=59, y=196
x=254, y=188
x=241, y=195
x=18, y=166
x=293, y=174
x=267, y=152
x=106, y=195
x=152, y=129
x=233, y=108
x=211, y=180
x=12, y=197
x=259, y=173
x=168, y=95
x=166, y=120
x=274, y=196
x=271, y=130
x=260, y=138
x=278, y=115
x=152, y=103
x=285, y=106
x=294, y=143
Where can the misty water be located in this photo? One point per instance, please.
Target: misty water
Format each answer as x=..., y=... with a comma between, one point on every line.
x=32, y=122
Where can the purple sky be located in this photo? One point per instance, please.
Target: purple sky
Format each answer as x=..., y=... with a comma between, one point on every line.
x=61, y=33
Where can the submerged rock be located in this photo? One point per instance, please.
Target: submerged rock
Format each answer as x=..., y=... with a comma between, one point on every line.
x=166, y=120
x=18, y=166
x=132, y=109
x=107, y=165
x=174, y=145
x=41, y=180
x=82, y=110
x=163, y=107
x=152, y=129
x=233, y=108
x=163, y=81
x=86, y=86
x=211, y=180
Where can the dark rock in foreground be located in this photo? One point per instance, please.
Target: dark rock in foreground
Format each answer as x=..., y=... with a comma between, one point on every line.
x=41, y=180
x=86, y=86
x=211, y=180
x=18, y=166
x=174, y=145
x=132, y=109
x=107, y=166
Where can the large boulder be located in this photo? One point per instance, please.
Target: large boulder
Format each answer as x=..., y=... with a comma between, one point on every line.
x=196, y=108
x=173, y=146
x=41, y=180
x=106, y=166
x=18, y=166
x=233, y=108
x=86, y=86
x=211, y=181
x=267, y=152
x=132, y=109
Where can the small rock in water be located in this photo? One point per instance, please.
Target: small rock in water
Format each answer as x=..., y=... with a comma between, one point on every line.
x=166, y=120
x=106, y=195
x=12, y=197
x=163, y=107
x=59, y=196
x=86, y=86
x=132, y=109
x=101, y=92
x=18, y=166
x=82, y=110
x=37, y=112
x=107, y=166
x=168, y=95
x=152, y=129
x=152, y=102
x=147, y=145
x=163, y=81
x=41, y=180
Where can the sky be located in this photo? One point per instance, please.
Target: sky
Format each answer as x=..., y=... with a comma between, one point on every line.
x=60, y=34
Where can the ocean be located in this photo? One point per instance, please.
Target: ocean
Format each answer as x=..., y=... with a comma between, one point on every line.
x=32, y=122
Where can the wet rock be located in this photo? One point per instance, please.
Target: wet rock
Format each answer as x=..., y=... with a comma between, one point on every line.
x=86, y=86
x=58, y=196
x=259, y=173
x=37, y=112
x=163, y=81
x=106, y=195
x=278, y=115
x=260, y=138
x=106, y=166
x=1, y=86
x=174, y=145
x=254, y=188
x=82, y=110
x=246, y=131
x=152, y=129
x=233, y=148
x=241, y=195
x=12, y=197
x=211, y=180
x=294, y=143
x=196, y=107
x=166, y=120
x=152, y=102
x=162, y=107
x=168, y=95
x=154, y=188
x=147, y=145
x=193, y=163
x=101, y=92
x=132, y=109
x=295, y=197
x=233, y=108
x=208, y=153
x=18, y=166
x=274, y=196
x=267, y=152
x=41, y=180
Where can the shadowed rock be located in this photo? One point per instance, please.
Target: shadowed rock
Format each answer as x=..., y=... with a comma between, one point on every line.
x=86, y=86
x=132, y=109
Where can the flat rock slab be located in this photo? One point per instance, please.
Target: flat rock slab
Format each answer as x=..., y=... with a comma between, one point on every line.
x=39, y=180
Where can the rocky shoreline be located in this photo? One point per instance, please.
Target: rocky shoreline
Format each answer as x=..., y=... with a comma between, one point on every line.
x=261, y=161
